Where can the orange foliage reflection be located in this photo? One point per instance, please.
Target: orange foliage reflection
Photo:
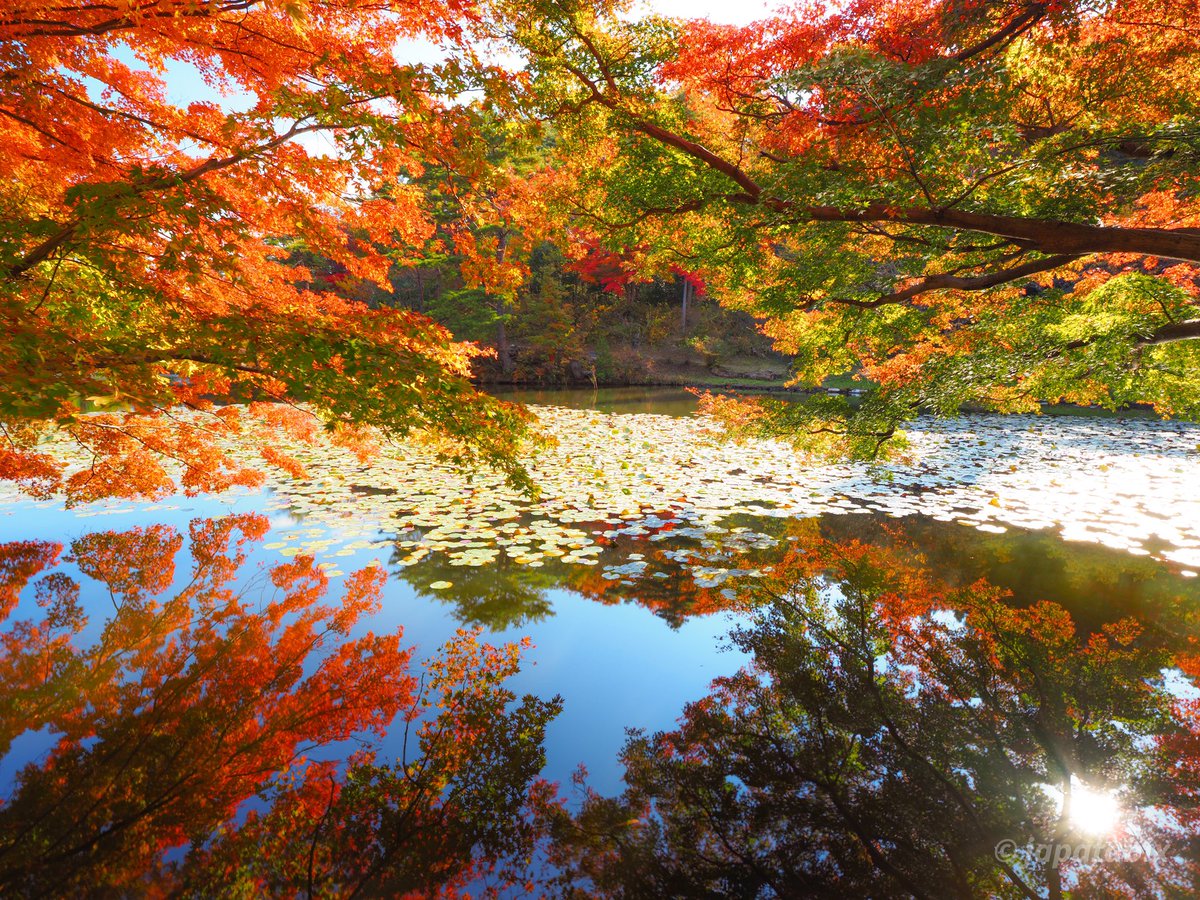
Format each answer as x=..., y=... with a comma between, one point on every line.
x=204, y=689
x=900, y=734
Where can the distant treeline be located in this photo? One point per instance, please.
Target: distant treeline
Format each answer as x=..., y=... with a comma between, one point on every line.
x=571, y=321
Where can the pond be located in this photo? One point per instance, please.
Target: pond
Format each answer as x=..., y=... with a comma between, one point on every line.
x=971, y=672
x=667, y=401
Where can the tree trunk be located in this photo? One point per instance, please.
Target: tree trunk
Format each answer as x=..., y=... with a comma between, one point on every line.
x=506, y=366
x=502, y=351
x=687, y=287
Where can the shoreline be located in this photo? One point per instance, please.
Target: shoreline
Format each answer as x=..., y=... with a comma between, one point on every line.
x=779, y=388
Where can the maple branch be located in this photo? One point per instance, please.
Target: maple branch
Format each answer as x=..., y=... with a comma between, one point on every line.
x=951, y=281
x=120, y=113
x=44, y=250
x=1138, y=146
x=29, y=123
x=216, y=163
x=312, y=849
x=1188, y=330
x=35, y=26
x=1046, y=235
x=905, y=149
x=1165, y=25
x=1171, y=333
x=650, y=129
x=1018, y=25
x=698, y=151
x=646, y=213
x=1050, y=236
x=245, y=368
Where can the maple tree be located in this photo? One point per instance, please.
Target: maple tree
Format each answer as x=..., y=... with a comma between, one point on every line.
x=491, y=217
x=185, y=738
x=503, y=595
x=146, y=244
x=185, y=704
x=989, y=202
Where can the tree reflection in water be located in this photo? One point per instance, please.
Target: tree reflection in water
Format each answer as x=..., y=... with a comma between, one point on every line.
x=900, y=736
x=191, y=702
x=897, y=724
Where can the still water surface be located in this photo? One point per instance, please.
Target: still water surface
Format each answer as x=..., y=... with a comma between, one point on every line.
x=918, y=692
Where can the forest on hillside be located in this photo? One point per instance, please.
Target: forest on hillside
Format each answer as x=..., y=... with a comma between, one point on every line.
x=573, y=321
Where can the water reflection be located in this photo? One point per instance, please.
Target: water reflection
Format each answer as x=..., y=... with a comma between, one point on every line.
x=899, y=734
x=928, y=711
x=678, y=578
x=680, y=572
x=667, y=401
x=181, y=730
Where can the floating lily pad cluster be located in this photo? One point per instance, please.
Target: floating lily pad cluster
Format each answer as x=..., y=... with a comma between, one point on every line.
x=676, y=574
x=1128, y=484
x=1132, y=485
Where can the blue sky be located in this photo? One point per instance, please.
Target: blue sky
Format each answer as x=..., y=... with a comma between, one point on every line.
x=184, y=84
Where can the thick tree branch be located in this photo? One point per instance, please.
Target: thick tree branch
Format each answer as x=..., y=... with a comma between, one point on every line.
x=36, y=23
x=951, y=281
x=982, y=282
x=1045, y=235
x=1170, y=334
x=703, y=154
x=1018, y=25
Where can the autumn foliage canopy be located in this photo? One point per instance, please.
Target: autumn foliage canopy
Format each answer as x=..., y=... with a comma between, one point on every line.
x=986, y=202
x=144, y=256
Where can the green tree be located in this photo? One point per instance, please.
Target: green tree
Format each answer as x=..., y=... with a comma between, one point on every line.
x=990, y=204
